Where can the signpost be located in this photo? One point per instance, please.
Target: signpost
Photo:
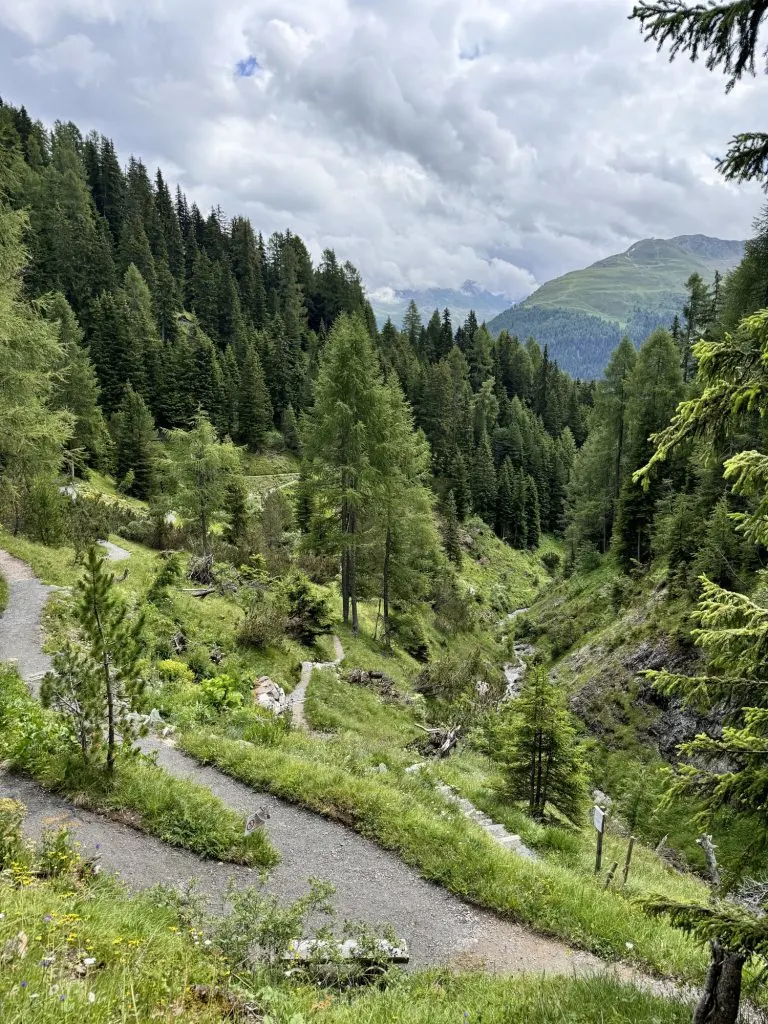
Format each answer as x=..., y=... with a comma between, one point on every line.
x=255, y=820
x=598, y=820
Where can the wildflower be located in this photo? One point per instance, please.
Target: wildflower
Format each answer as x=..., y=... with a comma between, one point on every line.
x=629, y=945
x=47, y=918
x=91, y=997
x=207, y=942
x=24, y=984
x=62, y=998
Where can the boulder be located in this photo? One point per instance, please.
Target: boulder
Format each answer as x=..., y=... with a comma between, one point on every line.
x=269, y=695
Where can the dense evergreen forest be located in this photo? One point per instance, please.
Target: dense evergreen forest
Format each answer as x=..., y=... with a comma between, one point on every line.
x=164, y=313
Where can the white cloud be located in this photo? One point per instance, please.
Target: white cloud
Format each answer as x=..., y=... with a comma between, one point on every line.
x=429, y=141
x=75, y=56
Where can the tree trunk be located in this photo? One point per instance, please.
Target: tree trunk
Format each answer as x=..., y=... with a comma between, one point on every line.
x=719, y=1002
x=110, y=695
x=353, y=574
x=344, y=562
x=385, y=585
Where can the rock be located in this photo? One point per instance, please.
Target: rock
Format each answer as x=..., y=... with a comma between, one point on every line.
x=270, y=696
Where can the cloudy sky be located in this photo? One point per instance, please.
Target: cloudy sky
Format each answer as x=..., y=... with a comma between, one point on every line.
x=429, y=141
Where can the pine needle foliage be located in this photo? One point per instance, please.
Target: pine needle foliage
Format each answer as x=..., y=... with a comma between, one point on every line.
x=726, y=36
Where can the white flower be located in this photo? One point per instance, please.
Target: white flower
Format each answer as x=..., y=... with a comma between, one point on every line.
x=629, y=945
x=207, y=942
x=91, y=997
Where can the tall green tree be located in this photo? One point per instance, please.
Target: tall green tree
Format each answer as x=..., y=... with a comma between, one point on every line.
x=200, y=469
x=535, y=743
x=32, y=430
x=340, y=440
x=135, y=445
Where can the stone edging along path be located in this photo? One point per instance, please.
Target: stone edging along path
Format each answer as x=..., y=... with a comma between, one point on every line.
x=372, y=884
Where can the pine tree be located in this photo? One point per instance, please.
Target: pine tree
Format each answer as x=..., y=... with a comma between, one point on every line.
x=97, y=680
x=535, y=743
x=483, y=481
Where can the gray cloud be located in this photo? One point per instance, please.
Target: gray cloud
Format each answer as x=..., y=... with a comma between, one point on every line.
x=428, y=141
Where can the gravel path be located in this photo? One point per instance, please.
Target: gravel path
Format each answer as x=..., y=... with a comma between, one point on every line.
x=21, y=635
x=114, y=553
x=297, y=697
x=372, y=884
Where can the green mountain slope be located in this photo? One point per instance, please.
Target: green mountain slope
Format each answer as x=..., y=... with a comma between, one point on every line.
x=582, y=315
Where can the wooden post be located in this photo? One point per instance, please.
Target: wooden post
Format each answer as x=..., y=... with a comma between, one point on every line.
x=611, y=873
x=598, y=820
x=599, y=854
x=628, y=860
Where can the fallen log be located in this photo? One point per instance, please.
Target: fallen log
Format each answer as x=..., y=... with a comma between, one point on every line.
x=200, y=592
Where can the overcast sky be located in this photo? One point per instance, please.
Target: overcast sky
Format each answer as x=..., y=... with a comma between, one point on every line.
x=429, y=141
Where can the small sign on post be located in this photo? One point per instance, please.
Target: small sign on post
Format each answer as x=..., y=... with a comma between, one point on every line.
x=256, y=820
x=598, y=819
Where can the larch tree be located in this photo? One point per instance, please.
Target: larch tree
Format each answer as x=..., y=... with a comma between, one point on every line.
x=340, y=438
x=200, y=469
x=32, y=430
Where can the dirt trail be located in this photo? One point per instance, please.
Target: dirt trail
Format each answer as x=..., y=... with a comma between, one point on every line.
x=372, y=884
x=298, y=696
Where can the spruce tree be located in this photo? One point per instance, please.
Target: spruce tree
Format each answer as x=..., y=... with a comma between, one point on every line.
x=483, y=481
x=451, y=536
x=535, y=743
x=532, y=513
x=254, y=415
x=135, y=444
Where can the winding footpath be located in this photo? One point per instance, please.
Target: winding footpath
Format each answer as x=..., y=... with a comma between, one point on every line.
x=371, y=884
x=298, y=696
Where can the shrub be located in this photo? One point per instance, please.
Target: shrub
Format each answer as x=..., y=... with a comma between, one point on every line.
x=12, y=845
x=551, y=561
x=222, y=692
x=263, y=624
x=410, y=635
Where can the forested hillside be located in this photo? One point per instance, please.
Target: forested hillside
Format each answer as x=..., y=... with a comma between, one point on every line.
x=475, y=648
x=583, y=315
x=164, y=313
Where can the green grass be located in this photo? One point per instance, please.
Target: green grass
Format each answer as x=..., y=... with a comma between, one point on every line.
x=333, y=705
x=403, y=815
x=147, y=963
x=139, y=792
x=4, y=592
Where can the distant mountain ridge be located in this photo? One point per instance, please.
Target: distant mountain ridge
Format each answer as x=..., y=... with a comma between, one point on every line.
x=582, y=315
x=388, y=303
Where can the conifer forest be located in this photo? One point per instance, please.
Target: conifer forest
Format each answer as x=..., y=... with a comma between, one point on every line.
x=364, y=670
